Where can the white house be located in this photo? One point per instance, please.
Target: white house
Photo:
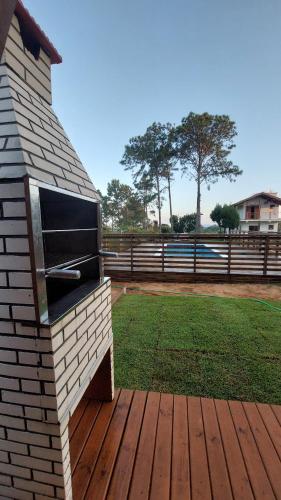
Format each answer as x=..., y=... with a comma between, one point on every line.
x=260, y=212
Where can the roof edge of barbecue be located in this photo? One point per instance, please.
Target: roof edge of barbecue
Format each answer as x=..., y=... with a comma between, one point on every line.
x=34, y=29
x=28, y=24
x=7, y=8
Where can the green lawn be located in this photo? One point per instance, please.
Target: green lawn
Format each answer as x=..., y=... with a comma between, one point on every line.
x=202, y=346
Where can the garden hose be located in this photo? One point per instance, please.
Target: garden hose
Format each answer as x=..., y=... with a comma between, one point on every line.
x=191, y=294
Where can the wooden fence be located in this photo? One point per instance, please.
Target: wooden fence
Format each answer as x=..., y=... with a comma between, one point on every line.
x=196, y=257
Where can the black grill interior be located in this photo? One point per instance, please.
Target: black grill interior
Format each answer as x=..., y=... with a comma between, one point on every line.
x=71, y=241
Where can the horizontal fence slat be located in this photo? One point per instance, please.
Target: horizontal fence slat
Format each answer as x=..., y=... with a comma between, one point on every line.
x=195, y=254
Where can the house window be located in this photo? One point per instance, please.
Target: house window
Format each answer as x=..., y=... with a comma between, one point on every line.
x=254, y=228
x=253, y=212
x=270, y=227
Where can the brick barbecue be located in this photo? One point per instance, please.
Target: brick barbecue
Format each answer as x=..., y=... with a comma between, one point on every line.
x=55, y=303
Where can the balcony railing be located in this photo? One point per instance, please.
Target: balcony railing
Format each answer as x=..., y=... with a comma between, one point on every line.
x=252, y=215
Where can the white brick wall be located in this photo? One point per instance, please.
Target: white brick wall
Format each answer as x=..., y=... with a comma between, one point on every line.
x=35, y=72
x=17, y=245
x=38, y=142
x=44, y=372
x=16, y=299
x=45, y=150
x=76, y=359
x=14, y=209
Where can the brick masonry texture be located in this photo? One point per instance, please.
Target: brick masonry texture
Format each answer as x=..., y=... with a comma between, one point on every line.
x=16, y=292
x=44, y=373
x=44, y=370
x=79, y=346
x=32, y=140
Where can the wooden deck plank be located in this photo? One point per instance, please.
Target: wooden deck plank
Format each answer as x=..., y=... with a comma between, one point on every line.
x=159, y=446
x=259, y=480
x=221, y=487
x=83, y=430
x=267, y=451
x=121, y=476
x=277, y=411
x=90, y=453
x=180, y=479
x=272, y=425
x=77, y=415
x=161, y=480
x=200, y=479
x=102, y=473
x=239, y=479
x=143, y=465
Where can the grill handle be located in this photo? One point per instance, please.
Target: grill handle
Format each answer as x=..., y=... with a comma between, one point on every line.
x=64, y=274
x=104, y=253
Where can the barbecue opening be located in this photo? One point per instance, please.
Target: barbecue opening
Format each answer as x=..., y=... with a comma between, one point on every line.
x=66, y=232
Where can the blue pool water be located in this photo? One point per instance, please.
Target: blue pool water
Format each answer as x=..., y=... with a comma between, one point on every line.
x=184, y=249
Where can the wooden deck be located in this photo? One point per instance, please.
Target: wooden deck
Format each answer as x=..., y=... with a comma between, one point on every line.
x=165, y=447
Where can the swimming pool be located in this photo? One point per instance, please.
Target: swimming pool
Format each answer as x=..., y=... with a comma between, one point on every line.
x=187, y=249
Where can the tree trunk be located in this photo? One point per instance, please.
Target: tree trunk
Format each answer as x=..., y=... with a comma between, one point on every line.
x=198, y=207
x=145, y=215
x=159, y=202
x=170, y=202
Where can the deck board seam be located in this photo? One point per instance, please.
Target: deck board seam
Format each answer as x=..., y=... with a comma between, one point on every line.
x=223, y=449
x=120, y=443
x=258, y=449
x=241, y=451
x=137, y=446
x=206, y=448
x=75, y=428
x=275, y=414
x=154, y=448
x=189, y=448
x=101, y=446
x=268, y=433
x=172, y=444
x=88, y=434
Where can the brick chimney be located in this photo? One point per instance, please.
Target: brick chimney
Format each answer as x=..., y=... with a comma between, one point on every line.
x=55, y=304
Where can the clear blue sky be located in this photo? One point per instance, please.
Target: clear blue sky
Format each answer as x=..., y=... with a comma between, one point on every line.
x=127, y=63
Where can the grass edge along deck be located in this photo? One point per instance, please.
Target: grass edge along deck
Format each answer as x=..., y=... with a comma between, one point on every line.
x=152, y=445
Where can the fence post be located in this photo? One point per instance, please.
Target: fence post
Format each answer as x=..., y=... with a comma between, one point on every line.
x=277, y=247
x=229, y=254
x=163, y=256
x=132, y=255
x=195, y=256
x=266, y=249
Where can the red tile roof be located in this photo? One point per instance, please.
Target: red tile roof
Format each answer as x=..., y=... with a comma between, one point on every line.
x=30, y=23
